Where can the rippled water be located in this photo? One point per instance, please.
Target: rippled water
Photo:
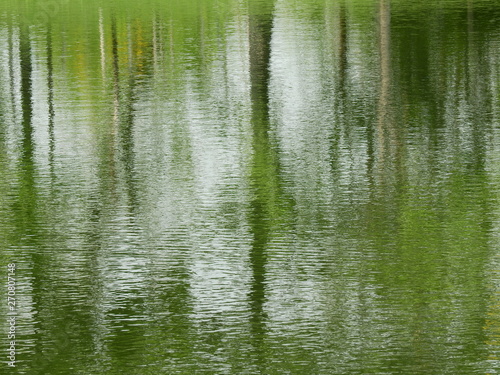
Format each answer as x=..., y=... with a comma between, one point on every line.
x=232, y=187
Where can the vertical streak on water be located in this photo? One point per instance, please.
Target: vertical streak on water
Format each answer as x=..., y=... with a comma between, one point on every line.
x=384, y=128
x=470, y=47
x=26, y=102
x=262, y=172
x=127, y=123
x=471, y=74
x=50, y=99
x=202, y=35
x=342, y=44
x=477, y=69
x=11, y=70
x=171, y=42
x=116, y=72
x=102, y=45
x=155, y=42
x=341, y=81
x=26, y=215
x=116, y=102
x=389, y=147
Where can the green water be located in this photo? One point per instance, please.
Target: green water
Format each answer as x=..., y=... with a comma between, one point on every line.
x=246, y=187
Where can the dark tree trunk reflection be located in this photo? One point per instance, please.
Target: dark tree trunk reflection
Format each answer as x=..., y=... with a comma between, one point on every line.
x=264, y=170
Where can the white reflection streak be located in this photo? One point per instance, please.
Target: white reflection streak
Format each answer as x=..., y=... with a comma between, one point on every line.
x=101, y=44
x=11, y=69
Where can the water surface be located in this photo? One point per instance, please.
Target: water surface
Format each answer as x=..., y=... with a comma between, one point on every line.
x=262, y=187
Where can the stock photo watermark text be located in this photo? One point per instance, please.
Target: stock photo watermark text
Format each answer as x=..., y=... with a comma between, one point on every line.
x=11, y=314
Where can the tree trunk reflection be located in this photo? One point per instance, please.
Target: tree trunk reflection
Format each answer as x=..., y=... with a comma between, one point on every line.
x=264, y=170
